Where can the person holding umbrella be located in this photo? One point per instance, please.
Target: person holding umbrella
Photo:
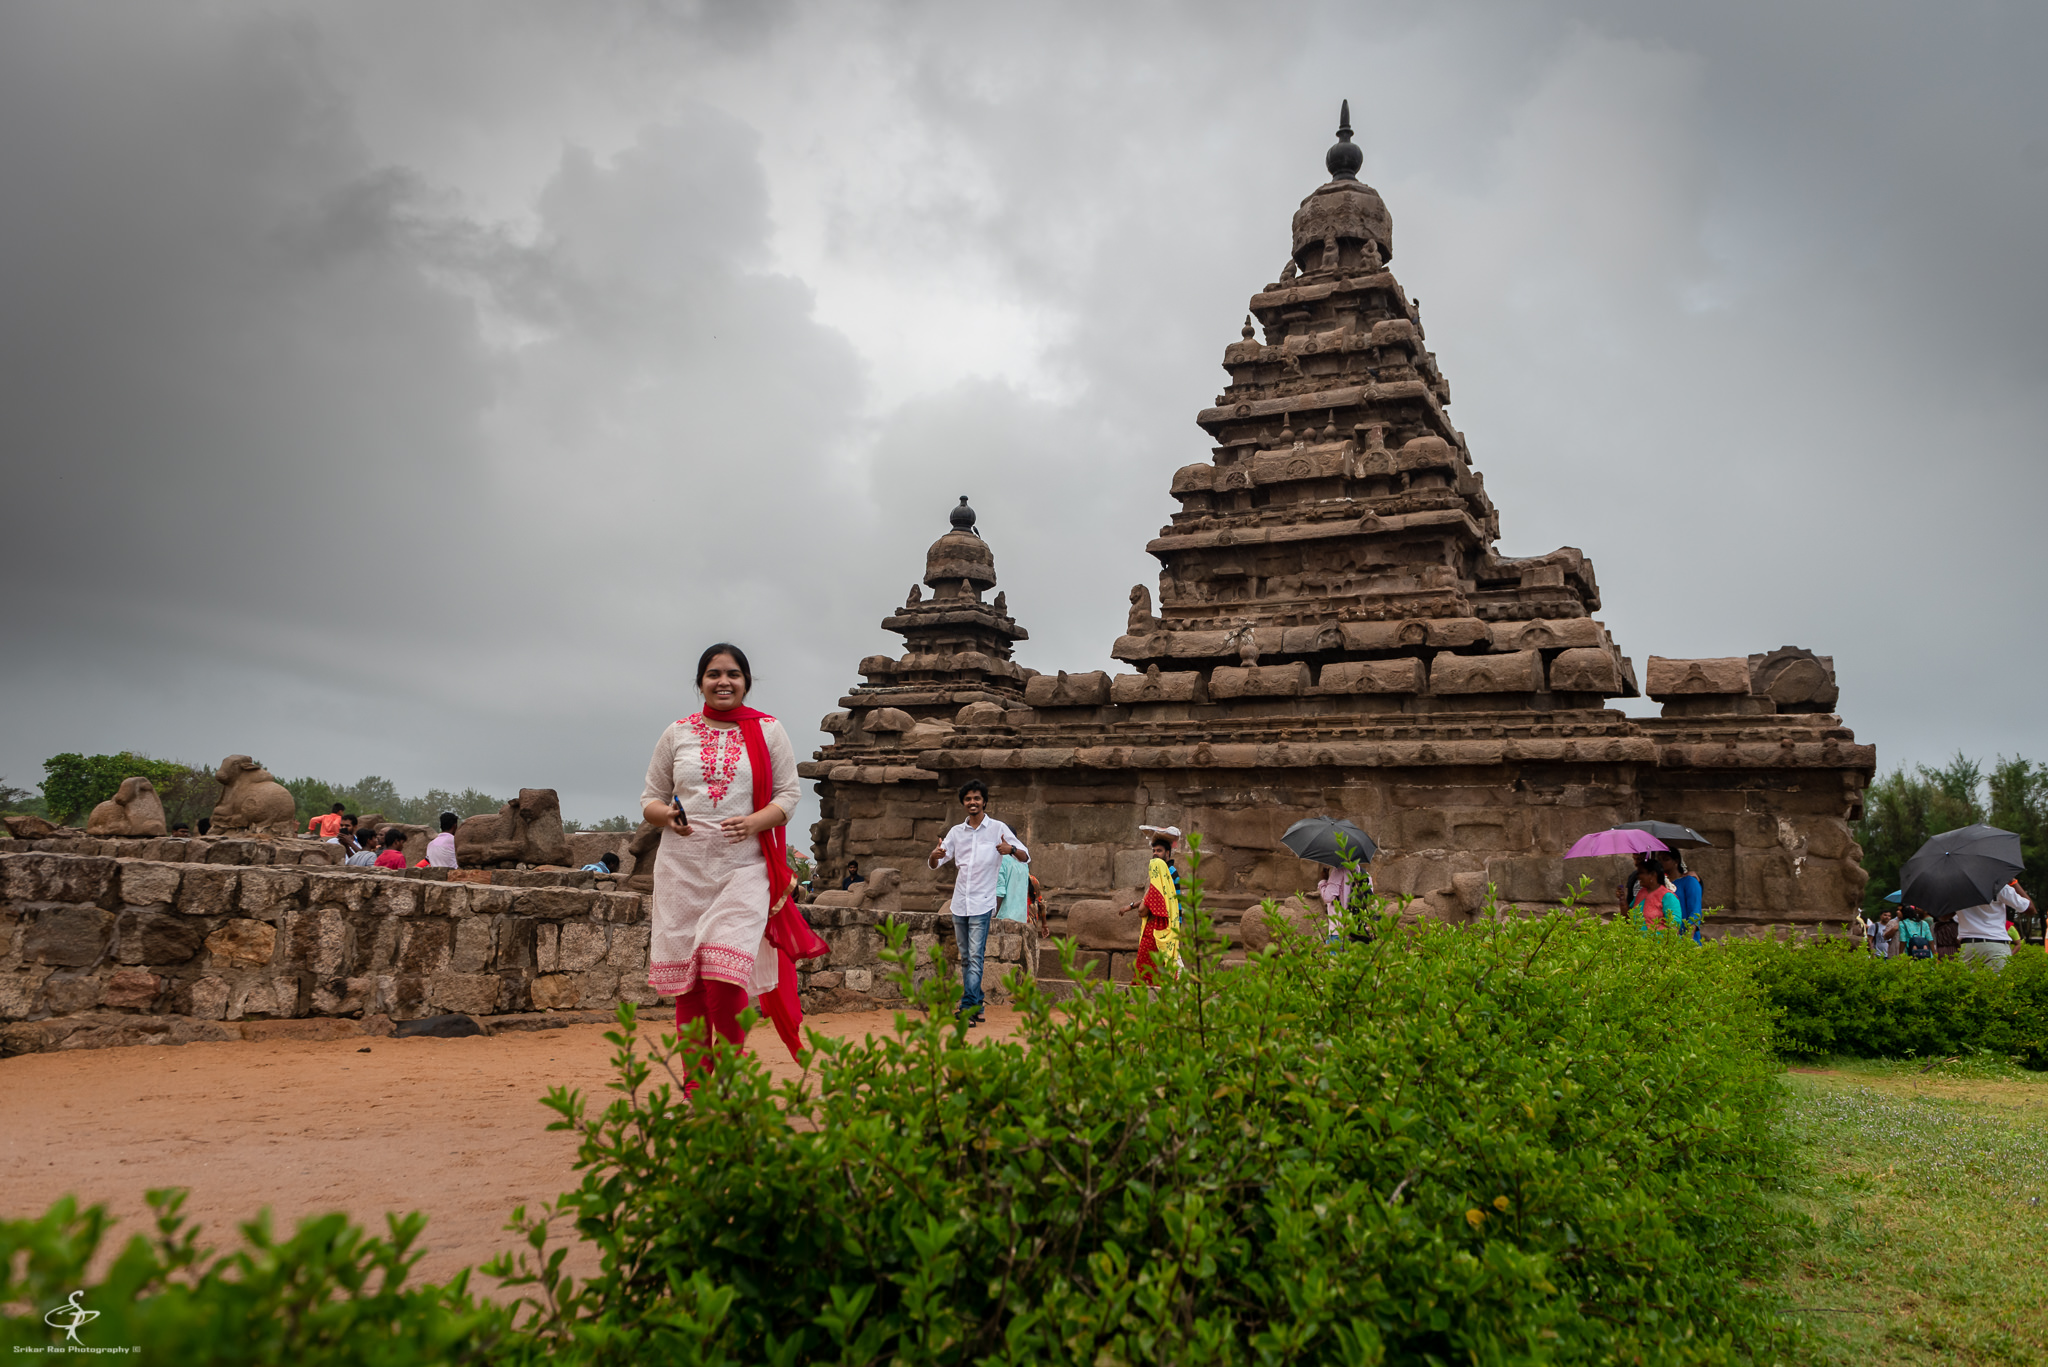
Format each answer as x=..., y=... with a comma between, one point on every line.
x=1971, y=872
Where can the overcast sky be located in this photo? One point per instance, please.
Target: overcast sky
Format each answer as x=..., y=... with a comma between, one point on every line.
x=414, y=388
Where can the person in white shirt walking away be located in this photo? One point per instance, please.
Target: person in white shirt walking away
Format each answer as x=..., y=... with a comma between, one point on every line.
x=1983, y=927
x=976, y=847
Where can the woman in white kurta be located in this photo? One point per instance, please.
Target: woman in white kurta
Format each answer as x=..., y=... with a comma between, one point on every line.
x=712, y=887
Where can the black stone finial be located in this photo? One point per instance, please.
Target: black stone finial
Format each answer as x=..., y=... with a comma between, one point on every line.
x=962, y=518
x=1344, y=158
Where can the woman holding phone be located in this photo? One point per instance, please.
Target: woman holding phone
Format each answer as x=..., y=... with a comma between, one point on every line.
x=721, y=787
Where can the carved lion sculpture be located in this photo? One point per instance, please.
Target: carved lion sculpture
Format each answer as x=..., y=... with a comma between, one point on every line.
x=883, y=892
x=134, y=810
x=253, y=800
x=527, y=830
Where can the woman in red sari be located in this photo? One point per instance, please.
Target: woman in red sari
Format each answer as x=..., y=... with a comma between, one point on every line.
x=721, y=786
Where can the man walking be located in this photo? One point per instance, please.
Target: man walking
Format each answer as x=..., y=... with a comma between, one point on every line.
x=976, y=846
x=1983, y=927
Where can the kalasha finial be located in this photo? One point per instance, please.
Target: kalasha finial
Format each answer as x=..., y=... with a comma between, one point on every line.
x=1247, y=327
x=1343, y=159
x=962, y=518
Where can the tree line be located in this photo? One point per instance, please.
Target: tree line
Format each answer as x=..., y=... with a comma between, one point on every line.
x=73, y=784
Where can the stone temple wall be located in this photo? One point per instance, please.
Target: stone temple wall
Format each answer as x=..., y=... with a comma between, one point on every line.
x=97, y=949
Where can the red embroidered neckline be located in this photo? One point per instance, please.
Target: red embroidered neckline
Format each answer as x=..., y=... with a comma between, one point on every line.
x=720, y=758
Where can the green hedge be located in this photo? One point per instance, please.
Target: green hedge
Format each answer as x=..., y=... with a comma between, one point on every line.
x=1527, y=1141
x=1829, y=997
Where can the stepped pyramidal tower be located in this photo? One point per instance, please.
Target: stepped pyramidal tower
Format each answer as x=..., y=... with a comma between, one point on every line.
x=1336, y=632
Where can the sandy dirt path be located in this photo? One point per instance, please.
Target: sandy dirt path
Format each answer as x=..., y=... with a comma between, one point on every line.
x=454, y=1128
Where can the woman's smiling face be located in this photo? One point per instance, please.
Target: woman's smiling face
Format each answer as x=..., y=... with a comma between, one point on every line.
x=723, y=685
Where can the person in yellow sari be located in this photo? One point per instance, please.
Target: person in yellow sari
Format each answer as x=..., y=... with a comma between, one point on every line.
x=1160, y=944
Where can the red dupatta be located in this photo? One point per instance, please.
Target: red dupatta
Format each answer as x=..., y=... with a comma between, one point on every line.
x=788, y=931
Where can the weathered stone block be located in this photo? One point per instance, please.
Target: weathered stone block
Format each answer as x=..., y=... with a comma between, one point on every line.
x=267, y=892
x=264, y=997
x=474, y=994
x=516, y=938
x=145, y=936
x=1155, y=686
x=547, y=946
x=67, y=992
x=424, y=948
x=242, y=943
x=341, y=996
x=628, y=952
x=1556, y=633
x=396, y=897
x=132, y=989
x=1585, y=670
x=20, y=989
x=209, y=999
x=475, y=943
x=1259, y=681
x=444, y=899
x=1519, y=671
x=860, y=979
x=600, y=987
x=556, y=991
x=148, y=885
x=582, y=947
x=75, y=937
x=556, y=903
x=204, y=890
x=1372, y=676
x=1680, y=678
x=1067, y=690
x=61, y=878
x=621, y=908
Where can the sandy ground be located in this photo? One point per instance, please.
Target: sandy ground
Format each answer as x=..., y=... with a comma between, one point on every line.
x=454, y=1128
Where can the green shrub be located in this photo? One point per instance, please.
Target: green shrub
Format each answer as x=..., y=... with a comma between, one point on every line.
x=74, y=784
x=1527, y=1141
x=329, y=1294
x=1828, y=997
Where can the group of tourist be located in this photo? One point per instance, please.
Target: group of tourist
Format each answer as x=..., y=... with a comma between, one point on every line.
x=363, y=849
x=1984, y=934
x=1662, y=896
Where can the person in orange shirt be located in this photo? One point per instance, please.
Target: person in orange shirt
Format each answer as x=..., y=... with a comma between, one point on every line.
x=327, y=827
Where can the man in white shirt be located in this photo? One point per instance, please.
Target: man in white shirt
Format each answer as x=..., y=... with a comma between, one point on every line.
x=441, y=849
x=976, y=847
x=1983, y=927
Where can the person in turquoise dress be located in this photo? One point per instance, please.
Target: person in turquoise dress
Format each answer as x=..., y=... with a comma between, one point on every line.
x=1685, y=886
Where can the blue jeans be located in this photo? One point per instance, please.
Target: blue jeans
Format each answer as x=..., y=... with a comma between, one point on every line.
x=970, y=933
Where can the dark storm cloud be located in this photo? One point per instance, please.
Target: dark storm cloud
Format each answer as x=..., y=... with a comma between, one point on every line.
x=415, y=389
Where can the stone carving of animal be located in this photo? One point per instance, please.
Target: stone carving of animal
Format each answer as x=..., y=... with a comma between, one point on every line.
x=882, y=892
x=134, y=810
x=253, y=801
x=527, y=830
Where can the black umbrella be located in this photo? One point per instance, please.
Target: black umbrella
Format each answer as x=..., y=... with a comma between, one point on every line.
x=1959, y=869
x=1328, y=840
x=1670, y=832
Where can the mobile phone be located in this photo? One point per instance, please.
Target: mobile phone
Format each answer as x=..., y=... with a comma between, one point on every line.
x=682, y=817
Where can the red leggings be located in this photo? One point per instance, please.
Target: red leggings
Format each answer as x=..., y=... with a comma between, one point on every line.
x=718, y=1006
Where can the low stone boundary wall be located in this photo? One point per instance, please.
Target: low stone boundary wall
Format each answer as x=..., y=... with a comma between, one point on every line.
x=134, y=940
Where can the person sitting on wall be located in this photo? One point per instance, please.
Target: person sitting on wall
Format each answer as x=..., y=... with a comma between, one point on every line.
x=441, y=849
x=327, y=826
x=853, y=875
x=181, y=830
x=363, y=854
x=608, y=862
x=205, y=824
x=392, y=856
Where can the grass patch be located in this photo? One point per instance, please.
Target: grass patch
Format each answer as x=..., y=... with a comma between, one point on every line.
x=1927, y=1195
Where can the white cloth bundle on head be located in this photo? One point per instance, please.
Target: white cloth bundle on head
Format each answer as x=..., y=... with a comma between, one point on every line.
x=1173, y=831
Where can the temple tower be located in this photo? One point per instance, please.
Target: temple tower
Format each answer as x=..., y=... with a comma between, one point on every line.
x=1337, y=632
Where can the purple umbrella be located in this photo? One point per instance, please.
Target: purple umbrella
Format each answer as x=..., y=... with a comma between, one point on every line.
x=1617, y=841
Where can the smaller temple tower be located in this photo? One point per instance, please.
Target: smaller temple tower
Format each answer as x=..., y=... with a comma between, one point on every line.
x=958, y=646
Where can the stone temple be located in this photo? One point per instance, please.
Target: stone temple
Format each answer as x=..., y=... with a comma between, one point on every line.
x=1336, y=632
